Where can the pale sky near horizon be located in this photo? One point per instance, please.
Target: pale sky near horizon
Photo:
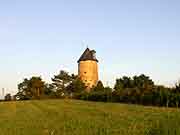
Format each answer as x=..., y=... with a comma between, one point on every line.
x=41, y=37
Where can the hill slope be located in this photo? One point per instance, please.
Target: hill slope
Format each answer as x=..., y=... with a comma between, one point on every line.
x=72, y=117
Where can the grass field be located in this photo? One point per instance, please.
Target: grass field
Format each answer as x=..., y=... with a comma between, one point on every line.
x=72, y=117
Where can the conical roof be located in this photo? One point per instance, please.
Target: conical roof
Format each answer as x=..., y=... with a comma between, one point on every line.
x=88, y=55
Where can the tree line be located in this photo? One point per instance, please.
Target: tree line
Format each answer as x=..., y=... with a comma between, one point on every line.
x=132, y=90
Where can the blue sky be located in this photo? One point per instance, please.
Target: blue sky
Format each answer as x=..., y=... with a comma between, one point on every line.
x=40, y=37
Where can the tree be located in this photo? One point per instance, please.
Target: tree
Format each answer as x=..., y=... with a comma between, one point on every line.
x=176, y=93
x=36, y=86
x=7, y=97
x=137, y=89
x=49, y=89
x=167, y=97
x=177, y=87
x=99, y=86
x=60, y=82
x=75, y=87
x=122, y=83
x=108, y=93
x=32, y=88
x=143, y=82
x=24, y=92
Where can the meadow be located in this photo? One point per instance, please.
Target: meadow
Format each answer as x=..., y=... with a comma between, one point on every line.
x=74, y=117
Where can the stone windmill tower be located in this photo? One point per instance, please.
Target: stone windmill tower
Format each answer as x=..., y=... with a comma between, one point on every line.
x=88, y=68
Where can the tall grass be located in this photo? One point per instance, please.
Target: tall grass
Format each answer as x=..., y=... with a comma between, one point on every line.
x=72, y=117
x=168, y=126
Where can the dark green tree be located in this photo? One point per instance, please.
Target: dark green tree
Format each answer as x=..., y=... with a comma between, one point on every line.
x=24, y=92
x=75, y=87
x=7, y=97
x=31, y=89
x=137, y=89
x=36, y=85
x=60, y=82
x=143, y=82
x=177, y=87
x=122, y=83
x=99, y=87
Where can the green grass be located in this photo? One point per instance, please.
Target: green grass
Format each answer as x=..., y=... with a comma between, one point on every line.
x=73, y=117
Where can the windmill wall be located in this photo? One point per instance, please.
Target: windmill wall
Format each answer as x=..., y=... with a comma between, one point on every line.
x=88, y=72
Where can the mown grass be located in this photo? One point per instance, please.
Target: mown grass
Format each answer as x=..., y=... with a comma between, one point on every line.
x=73, y=117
